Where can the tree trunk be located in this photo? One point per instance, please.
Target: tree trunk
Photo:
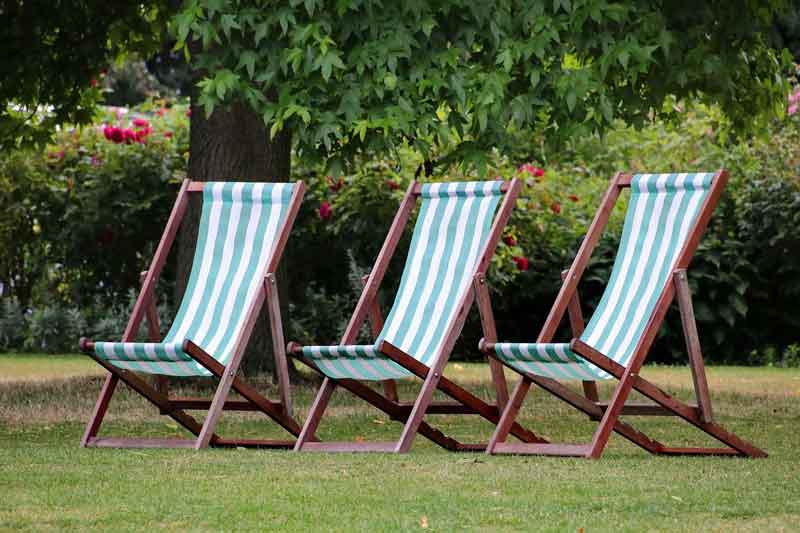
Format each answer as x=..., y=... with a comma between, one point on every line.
x=233, y=144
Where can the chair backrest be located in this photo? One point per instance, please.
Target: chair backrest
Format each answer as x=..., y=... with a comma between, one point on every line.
x=662, y=211
x=450, y=234
x=239, y=225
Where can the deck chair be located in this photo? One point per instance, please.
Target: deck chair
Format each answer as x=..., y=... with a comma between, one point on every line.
x=454, y=237
x=666, y=217
x=242, y=234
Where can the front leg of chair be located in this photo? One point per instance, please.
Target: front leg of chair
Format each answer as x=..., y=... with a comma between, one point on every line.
x=509, y=415
x=315, y=414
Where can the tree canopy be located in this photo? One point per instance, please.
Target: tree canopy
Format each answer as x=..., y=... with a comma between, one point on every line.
x=349, y=76
x=53, y=53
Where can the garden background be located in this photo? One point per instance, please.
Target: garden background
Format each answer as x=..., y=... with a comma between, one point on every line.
x=84, y=213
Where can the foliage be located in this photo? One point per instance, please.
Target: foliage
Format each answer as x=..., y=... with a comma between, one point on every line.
x=12, y=324
x=85, y=213
x=743, y=286
x=360, y=76
x=54, y=53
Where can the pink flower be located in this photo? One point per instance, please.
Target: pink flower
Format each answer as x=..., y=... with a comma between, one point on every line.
x=107, y=131
x=141, y=123
x=794, y=97
x=792, y=109
x=161, y=111
x=510, y=240
x=522, y=263
x=128, y=136
x=96, y=161
x=117, y=136
x=392, y=185
x=537, y=172
x=555, y=207
x=325, y=211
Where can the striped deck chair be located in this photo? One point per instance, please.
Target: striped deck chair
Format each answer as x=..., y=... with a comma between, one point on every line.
x=666, y=217
x=454, y=237
x=242, y=233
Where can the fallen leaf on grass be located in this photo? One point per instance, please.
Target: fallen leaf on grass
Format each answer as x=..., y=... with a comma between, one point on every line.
x=423, y=522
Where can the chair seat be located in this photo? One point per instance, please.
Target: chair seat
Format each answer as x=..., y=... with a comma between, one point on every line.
x=552, y=360
x=163, y=358
x=358, y=361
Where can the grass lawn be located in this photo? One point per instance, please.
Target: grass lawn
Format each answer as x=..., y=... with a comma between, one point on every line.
x=48, y=482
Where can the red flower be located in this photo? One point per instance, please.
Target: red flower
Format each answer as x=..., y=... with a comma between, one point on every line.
x=555, y=207
x=93, y=82
x=573, y=198
x=392, y=185
x=117, y=136
x=522, y=263
x=141, y=123
x=325, y=211
x=103, y=71
x=141, y=135
x=334, y=186
x=107, y=131
x=128, y=136
x=189, y=113
x=510, y=240
x=534, y=171
x=168, y=134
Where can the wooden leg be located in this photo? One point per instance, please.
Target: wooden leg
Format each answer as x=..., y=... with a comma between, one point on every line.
x=390, y=390
x=315, y=414
x=509, y=414
x=684, y=297
x=611, y=415
x=278, y=343
x=100, y=409
x=490, y=335
x=161, y=383
x=418, y=411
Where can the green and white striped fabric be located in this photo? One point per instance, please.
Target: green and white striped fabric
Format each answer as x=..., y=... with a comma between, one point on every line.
x=450, y=233
x=661, y=213
x=238, y=228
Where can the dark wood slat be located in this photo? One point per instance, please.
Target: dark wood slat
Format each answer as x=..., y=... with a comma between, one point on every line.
x=384, y=447
x=113, y=442
x=700, y=451
x=640, y=409
x=256, y=443
x=561, y=450
x=195, y=404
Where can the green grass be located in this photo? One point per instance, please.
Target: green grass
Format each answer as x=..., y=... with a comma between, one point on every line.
x=48, y=482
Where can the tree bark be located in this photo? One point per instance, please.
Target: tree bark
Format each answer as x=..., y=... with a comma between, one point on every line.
x=233, y=145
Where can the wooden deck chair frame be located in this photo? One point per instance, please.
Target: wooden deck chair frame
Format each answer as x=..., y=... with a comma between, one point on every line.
x=411, y=414
x=175, y=408
x=608, y=414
